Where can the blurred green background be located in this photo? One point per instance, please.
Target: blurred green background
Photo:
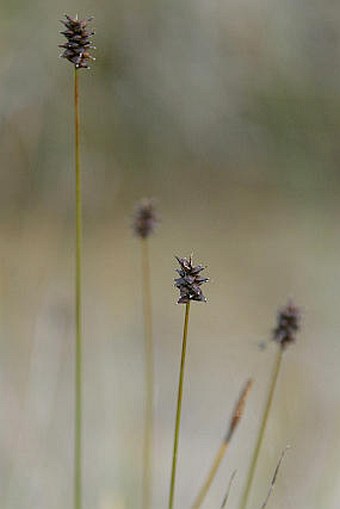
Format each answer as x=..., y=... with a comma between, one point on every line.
x=228, y=114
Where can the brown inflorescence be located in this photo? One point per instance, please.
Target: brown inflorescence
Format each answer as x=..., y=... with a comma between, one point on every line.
x=239, y=409
x=288, y=324
x=145, y=218
x=190, y=281
x=78, y=45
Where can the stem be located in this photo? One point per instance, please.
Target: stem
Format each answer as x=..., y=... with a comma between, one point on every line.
x=211, y=475
x=149, y=377
x=179, y=407
x=78, y=310
x=260, y=437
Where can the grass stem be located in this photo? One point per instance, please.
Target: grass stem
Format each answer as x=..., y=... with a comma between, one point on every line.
x=149, y=378
x=179, y=407
x=260, y=437
x=78, y=308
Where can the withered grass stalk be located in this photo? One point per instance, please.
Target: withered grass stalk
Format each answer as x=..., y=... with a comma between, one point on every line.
x=235, y=419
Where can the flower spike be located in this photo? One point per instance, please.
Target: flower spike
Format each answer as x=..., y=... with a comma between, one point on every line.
x=78, y=45
x=288, y=324
x=190, y=281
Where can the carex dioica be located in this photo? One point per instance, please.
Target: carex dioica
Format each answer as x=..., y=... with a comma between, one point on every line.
x=189, y=284
x=78, y=45
x=284, y=334
x=77, y=50
x=145, y=221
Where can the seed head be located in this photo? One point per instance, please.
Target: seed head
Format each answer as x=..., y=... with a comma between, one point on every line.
x=145, y=218
x=288, y=324
x=78, y=45
x=189, y=282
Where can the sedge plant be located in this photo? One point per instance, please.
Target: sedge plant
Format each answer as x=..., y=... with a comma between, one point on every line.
x=189, y=285
x=288, y=324
x=144, y=224
x=76, y=50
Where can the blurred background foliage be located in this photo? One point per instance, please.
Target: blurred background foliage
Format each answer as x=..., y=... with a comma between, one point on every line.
x=228, y=114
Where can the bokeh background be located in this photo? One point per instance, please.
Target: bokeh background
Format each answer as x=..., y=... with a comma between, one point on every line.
x=227, y=112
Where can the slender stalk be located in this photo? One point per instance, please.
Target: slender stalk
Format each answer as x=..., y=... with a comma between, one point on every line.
x=78, y=310
x=179, y=407
x=260, y=437
x=272, y=484
x=226, y=497
x=211, y=475
x=149, y=377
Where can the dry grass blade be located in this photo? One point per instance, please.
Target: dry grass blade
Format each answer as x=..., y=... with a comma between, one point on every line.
x=235, y=419
x=230, y=484
x=272, y=484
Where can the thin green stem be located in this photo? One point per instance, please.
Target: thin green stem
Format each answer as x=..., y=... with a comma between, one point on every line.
x=179, y=407
x=78, y=309
x=260, y=437
x=149, y=377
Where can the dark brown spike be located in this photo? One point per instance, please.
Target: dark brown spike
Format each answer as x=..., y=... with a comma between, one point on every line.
x=145, y=219
x=189, y=283
x=78, y=44
x=288, y=324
